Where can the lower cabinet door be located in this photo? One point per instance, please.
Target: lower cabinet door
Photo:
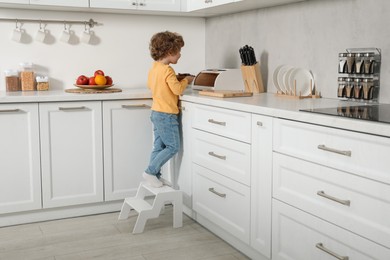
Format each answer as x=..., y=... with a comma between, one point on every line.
x=222, y=201
x=297, y=235
x=71, y=153
x=128, y=141
x=20, y=176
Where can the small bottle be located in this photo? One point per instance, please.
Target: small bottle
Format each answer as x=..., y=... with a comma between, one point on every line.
x=348, y=87
x=367, y=88
x=357, y=89
x=12, y=80
x=358, y=63
x=342, y=62
x=27, y=78
x=341, y=88
x=42, y=83
x=350, y=63
x=368, y=63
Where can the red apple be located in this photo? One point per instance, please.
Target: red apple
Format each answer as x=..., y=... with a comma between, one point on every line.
x=109, y=80
x=99, y=72
x=82, y=80
x=92, y=81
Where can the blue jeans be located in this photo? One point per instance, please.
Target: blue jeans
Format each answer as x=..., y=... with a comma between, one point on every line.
x=166, y=140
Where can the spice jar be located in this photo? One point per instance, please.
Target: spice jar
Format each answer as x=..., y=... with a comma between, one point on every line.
x=12, y=80
x=359, y=63
x=348, y=87
x=342, y=62
x=341, y=88
x=357, y=89
x=27, y=78
x=42, y=83
x=350, y=63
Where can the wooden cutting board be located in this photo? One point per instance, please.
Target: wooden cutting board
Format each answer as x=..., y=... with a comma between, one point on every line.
x=225, y=93
x=92, y=91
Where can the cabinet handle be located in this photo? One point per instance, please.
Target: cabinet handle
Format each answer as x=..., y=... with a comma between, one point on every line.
x=70, y=108
x=9, y=110
x=222, y=195
x=142, y=4
x=182, y=108
x=259, y=123
x=321, y=247
x=344, y=202
x=222, y=157
x=135, y=3
x=216, y=122
x=328, y=149
x=135, y=106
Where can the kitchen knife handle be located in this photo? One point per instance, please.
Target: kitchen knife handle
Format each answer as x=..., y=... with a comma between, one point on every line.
x=9, y=110
x=222, y=157
x=332, y=150
x=216, y=122
x=326, y=250
x=323, y=194
x=136, y=106
x=71, y=108
x=222, y=195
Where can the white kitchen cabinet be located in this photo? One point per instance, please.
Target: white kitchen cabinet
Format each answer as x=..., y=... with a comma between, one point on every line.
x=146, y=5
x=193, y=5
x=128, y=141
x=15, y=1
x=298, y=235
x=20, y=188
x=261, y=184
x=70, y=3
x=71, y=153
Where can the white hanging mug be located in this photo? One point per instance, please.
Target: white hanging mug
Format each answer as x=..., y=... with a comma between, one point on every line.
x=41, y=34
x=17, y=33
x=86, y=36
x=65, y=36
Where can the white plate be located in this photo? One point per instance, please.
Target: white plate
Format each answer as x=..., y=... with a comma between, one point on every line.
x=303, y=79
x=286, y=79
x=275, y=78
x=283, y=70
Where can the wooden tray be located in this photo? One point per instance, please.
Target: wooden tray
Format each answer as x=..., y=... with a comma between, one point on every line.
x=225, y=93
x=92, y=91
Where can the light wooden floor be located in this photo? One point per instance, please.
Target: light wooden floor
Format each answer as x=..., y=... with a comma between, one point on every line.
x=103, y=237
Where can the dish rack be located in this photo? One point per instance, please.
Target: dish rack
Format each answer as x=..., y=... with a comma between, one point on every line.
x=359, y=74
x=293, y=93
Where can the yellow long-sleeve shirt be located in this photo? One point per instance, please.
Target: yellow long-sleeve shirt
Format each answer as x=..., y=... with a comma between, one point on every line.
x=165, y=88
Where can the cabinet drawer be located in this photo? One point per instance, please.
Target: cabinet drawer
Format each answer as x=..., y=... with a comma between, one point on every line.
x=361, y=154
x=222, y=201
x=225, y=122
x=298, y=235
x=352, y=202
x=222, y=155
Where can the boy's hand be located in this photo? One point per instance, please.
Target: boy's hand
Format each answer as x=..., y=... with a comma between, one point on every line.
x=181, y=76
x=190, y=78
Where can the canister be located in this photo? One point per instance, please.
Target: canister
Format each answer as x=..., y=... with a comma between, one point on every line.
x=42, y=83
x=12, y=80
x=27, y=78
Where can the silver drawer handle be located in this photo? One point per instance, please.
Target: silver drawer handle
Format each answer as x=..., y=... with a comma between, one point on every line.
x=9, y=110
x=222, y=195
x=259, y=123
x=328, y=149
x=216, y=122
x=222, y=157
x=70, y=108
x=344, y=202
x=321, y=247
x=135, y=106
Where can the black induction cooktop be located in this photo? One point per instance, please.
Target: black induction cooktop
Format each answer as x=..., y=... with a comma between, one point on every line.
x=370, y=112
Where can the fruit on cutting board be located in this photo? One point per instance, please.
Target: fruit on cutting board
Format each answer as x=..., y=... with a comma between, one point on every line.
x=98, y=78
x=82, y=80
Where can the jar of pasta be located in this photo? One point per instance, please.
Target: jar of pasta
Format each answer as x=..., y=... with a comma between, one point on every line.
x=27, y=79
x=42, y=83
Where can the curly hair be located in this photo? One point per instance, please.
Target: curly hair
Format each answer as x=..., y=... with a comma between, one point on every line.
x=165, y=43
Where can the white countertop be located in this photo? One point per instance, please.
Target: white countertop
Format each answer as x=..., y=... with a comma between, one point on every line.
x=284, y=107
x=265, y=103
x=61, y=95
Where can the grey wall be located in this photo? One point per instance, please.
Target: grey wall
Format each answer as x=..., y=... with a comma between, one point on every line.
x=307, y=34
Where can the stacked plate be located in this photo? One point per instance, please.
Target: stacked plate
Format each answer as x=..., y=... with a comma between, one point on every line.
x=285, y=77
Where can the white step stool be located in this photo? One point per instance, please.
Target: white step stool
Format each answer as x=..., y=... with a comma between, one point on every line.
x=147, y=211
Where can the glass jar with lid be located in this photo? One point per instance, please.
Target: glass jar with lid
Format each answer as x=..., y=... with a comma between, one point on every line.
x=42, y=83
x=12, y=80
x=27, y=78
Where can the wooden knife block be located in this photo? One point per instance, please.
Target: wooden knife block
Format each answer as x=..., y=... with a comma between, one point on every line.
x=252, y=78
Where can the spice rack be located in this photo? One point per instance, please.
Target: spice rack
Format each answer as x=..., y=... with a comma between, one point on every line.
x=359, y=74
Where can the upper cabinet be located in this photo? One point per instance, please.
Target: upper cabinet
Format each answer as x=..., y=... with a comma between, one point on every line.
x=146, y=5
x=15, y=1
x=72, y=3
x=193, y=5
